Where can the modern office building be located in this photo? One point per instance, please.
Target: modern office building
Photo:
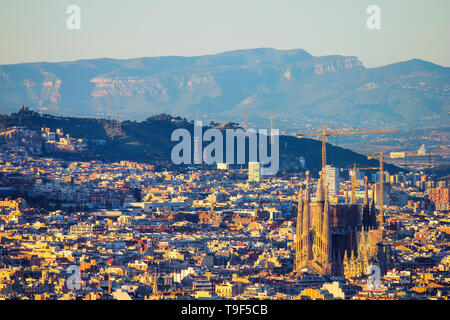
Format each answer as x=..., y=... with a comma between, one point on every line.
x=254, y=171
x=223, y=166
x=332, y=178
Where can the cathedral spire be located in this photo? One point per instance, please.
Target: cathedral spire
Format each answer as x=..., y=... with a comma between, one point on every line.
x=372, y=215
x=346, y=265
x=300, y=201
x=319, y=191
x=299, y=231
x=305, y=230
x=366, y=192
x=306, y=204
x=299, y=211
x=325, y=230
x=307, y=187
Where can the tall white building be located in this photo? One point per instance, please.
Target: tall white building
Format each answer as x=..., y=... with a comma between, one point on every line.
x=254, y=171
x=332, y=176
x=223, y=166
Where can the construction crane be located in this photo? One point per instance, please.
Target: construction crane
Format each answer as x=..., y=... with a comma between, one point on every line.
x=380, y=155
x=324, y=134
x=353, y=196
x=346, y=194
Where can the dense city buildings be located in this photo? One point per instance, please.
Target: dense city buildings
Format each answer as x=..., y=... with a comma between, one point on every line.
x=224, y=159
x=133, y=230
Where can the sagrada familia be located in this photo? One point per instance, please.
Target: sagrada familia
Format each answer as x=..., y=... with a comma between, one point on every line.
x=335, y=239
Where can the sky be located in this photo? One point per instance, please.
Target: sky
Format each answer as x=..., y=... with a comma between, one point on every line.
x=36, y=30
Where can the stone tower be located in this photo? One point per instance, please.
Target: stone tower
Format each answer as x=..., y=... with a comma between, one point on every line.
x=313, y=234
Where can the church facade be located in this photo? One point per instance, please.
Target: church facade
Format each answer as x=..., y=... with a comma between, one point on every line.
x=335, y=239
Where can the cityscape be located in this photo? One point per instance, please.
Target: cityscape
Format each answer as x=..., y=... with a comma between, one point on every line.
x=249, y=174
x=139, y=231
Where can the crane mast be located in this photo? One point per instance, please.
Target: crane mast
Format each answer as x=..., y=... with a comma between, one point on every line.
x=324, y=134
x=381, y=156
x=353, y=180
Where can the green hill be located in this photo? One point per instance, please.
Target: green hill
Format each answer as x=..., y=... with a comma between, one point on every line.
x=149, y=141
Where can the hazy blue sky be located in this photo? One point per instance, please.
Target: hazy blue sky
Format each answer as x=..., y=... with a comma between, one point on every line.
x=35, y=30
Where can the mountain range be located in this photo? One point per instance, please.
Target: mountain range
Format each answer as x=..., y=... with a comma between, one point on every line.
x=293, y=87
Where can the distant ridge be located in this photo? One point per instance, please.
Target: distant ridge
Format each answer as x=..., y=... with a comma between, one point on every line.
x=291, y=86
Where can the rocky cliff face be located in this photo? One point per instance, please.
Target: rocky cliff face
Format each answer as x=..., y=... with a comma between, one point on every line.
x=148, y=85
x=337, y=64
